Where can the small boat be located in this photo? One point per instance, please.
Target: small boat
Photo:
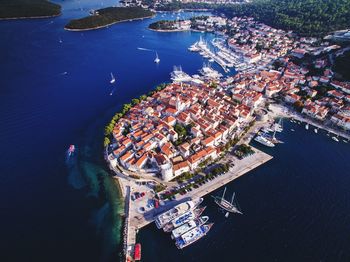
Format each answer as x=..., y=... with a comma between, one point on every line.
x=112, y=79
x=137, y=252
x=335, y=138
x=307, y=126
x=316, y=130
x=292, y=130
x=60, y=41
x=345, y=141
x=157, y=60
x=71, y=150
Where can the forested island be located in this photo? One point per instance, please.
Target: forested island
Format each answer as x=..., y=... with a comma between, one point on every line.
x=108, y=16
x=12, y=9
x=305, y=17
x=165, y=25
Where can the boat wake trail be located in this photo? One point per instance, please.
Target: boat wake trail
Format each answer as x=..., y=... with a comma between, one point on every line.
x=145, y=49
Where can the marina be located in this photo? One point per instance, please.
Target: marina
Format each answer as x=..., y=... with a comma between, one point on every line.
x=135, y=222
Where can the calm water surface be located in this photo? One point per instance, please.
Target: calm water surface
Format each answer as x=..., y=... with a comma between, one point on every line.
x=55, y=94
x=296, y=207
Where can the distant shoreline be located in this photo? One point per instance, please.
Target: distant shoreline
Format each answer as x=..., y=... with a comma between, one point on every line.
x=169, y=30
x=29, y=17
x=103, y=26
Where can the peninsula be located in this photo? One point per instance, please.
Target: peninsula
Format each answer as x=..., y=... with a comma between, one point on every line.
x=191, y=136
x=108, y=16
x=20, y=9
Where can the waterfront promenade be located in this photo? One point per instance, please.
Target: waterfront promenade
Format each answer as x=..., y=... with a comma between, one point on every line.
x=135, y=219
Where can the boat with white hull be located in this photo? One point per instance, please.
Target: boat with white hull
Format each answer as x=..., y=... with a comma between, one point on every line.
x=177, y=211
x=179, y=221
x=192, y=236
x=177, y=232
x=264, y=141
x=177, y=75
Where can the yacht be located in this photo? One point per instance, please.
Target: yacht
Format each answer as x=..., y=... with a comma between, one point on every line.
x=229, y=207
x=179, y=221
x=177, y=232
x=210, y=73
x=264, y=141
x=192, y=236
x=179, y=76
x=177, y=211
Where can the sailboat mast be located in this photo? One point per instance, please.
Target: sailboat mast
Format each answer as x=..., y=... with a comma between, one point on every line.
x=223, y=194
x=233, y=197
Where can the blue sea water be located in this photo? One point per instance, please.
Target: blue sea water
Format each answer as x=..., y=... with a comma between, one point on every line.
x=55, y=94
x=55, y=91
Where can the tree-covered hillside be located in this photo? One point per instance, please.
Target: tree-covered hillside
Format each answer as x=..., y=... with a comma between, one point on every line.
x=306, y=17
x=28, y=8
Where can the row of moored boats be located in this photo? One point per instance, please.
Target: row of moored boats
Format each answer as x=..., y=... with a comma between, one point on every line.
x=185, y=222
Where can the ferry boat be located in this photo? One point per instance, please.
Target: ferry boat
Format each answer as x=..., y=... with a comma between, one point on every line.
x=264, y=141
x=179, y=76
x=71, y=150
x=137, y=252
x=192, y=236
x=177, y=211
x=177, y=232
x=188, y=216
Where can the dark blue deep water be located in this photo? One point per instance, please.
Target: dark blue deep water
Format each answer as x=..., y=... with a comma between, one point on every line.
x=296, y=207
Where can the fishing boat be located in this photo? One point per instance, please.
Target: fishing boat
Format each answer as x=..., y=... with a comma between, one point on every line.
x=157, y=60
x=176, y=211
x=177, y=232
x=230, y=207
x=179, y=221
x=71, y=150
x=192, y=236
x=112, y=79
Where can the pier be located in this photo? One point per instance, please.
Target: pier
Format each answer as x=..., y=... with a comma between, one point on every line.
x=135, y=220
